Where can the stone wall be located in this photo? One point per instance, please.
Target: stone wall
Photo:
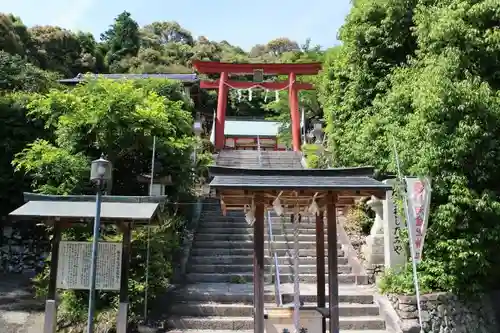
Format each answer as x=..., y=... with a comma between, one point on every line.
x=446, y=313
x=373, y=271
x=23, y=248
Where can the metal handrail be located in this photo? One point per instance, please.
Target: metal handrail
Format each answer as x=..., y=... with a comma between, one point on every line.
x=274, y=255
x=272, y=252
x=259, y=150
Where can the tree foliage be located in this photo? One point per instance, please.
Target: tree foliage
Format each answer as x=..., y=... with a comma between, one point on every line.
x=18, y=79
x=424, y=75
x=120, y=120
x=122, y=39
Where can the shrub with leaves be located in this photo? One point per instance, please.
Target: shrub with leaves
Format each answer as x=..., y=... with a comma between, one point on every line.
x=423, y=76
x=359, y=219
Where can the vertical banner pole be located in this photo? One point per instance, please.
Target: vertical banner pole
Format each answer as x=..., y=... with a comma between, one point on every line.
x=407, y=210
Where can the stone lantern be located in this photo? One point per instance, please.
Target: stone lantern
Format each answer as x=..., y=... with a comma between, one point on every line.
x=374, y=248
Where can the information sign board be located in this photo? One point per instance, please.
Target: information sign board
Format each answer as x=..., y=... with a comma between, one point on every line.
x=73, y=269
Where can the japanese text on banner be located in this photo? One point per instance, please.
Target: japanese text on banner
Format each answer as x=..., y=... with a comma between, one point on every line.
x=418, y=191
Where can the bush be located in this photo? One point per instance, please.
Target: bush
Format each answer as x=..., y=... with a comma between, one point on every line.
x=359, y=219
x=431, y=274
x=314, y=158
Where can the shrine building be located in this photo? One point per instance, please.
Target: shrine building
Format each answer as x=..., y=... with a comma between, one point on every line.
x=247, y=134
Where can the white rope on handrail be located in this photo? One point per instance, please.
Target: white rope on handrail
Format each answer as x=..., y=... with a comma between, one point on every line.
x=258, y=149
x=296, y=283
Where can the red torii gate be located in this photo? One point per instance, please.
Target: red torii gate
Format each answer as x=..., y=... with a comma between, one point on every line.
x=223, y=84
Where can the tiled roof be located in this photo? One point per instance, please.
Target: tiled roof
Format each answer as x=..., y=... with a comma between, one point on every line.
x=117, y=211
x=333, y=172
x=29, y=196
x=251, y=128
x=179, y=77
x=295, y=182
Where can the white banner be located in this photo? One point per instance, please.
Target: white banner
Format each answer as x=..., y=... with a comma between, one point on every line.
x=75, y=258
x=418, y=192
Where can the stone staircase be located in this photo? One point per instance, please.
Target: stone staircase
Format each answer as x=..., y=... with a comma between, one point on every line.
x=264, y=159
x=218, y=297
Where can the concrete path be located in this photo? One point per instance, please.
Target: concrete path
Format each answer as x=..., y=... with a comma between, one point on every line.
x=20, y=312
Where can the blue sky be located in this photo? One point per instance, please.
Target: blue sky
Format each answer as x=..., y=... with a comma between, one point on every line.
x=244, y=23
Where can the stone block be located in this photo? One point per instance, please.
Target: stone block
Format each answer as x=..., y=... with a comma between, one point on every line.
x=373, y=250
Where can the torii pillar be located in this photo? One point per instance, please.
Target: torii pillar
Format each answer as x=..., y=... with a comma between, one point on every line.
x=223, y=84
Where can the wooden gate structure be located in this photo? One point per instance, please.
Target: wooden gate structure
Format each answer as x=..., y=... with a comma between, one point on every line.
x=330, y=189
x=258, y=70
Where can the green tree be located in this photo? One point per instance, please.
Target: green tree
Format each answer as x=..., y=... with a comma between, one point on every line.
x=118, y=119
x=17, y=74
x=158, y=34
x=59, y=50
x=18, y=79
x=281, y=45
x=123, y=38
x=418, y=75
x=14, y=36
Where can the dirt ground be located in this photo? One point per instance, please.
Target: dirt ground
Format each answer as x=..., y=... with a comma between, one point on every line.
x=20, y=312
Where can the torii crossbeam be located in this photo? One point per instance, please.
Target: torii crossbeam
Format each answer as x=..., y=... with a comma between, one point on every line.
x=223, y=84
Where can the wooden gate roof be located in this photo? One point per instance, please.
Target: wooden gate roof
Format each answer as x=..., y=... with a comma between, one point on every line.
x=238, y=188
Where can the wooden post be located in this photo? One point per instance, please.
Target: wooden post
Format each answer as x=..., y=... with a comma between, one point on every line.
x=294, y=111
x=258, y=268
x=333, y=282
x=221, y=111
x=320, y=264
x=50, y=323
x=122, y=319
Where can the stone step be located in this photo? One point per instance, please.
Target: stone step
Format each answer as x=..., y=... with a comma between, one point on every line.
x=237, y=223
x=283, y=269
x=209, y=309
x=214, y=215
x=249, y=237
x=246, y=323
x=248, y=260
x=251, y=331
x=246, y=227
x=248, y=278
x=243, y=293
x=249, y=231
x=240, y=216
x=203, y=251
x=248, y=244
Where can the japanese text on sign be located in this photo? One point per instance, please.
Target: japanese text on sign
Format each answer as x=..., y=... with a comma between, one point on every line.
x=73, y=269
x=397, y=246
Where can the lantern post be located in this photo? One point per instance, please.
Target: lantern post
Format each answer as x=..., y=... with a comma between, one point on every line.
x=100, y=173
